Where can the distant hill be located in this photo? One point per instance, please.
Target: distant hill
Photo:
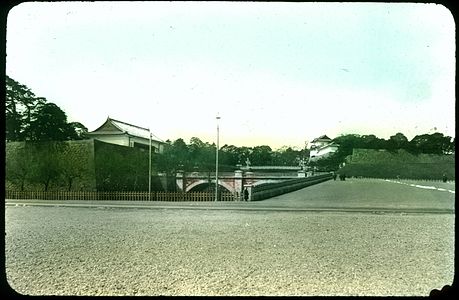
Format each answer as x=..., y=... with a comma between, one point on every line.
x=400, y=163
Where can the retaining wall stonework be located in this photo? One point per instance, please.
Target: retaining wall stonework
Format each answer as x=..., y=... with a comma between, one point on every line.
x=83, y=165
x=398, y=164
x=50, y=165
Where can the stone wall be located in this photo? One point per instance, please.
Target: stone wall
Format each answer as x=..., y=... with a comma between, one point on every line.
x=120, y=168
x=403, y=156
x=401, y=164
x=86, y=165
x=50, y=166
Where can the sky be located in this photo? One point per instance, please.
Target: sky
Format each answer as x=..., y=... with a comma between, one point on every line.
x=277, y=74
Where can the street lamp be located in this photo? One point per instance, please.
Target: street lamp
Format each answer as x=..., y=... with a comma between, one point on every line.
x=216, y=162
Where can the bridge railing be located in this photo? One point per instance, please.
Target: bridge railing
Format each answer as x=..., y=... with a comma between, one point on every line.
x=273, y=175
x=115, y=196
x=268, y=190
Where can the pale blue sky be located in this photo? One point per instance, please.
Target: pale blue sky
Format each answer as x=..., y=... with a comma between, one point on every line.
x=278, y=73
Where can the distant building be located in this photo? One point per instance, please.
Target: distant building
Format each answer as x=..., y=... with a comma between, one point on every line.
x=322, y=147
x=125, y=134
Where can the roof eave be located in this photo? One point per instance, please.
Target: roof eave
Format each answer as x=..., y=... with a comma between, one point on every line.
x=106, y=133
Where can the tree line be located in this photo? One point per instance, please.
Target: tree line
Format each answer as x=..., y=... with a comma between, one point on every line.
x=435, y=143
x=32, y=118
x=199, y=155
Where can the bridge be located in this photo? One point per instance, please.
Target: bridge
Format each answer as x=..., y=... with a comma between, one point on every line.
x=243, y=178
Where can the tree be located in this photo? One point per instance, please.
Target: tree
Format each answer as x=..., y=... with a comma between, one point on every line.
x=49, y=124
x=21, y=104
x=230, y=155
x=174, y=157
x=435, y=143
x=452, y=147
x=202, y=155
x=370, y=142
x=77, y=131
x=196, y=143
x=261, y=156
x=32, y=118
x=346, y=144
x=287, y=156
x=397, y=141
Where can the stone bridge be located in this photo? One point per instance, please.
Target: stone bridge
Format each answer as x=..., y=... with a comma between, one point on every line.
x=235, y=182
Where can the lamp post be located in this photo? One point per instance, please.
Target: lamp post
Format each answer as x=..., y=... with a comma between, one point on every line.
x=216, y=162
x=149, y=171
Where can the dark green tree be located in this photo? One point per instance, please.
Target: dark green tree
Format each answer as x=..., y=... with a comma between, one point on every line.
x=201, y=154
x=397, y=141
x=435, y=143
x=180, y=154
x=286, y=156
x=452, y=147
x=174, y=157
x=77, y=131
x=261, y=156
x=370, y=142
x=346, y=144
x=20, y=104
x=49, y=123
x=230, y=155
x=32, y=118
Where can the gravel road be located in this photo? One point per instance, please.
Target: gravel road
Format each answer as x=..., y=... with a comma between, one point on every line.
x=128, y=251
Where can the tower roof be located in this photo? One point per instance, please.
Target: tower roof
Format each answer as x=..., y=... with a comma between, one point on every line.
x=321, y=138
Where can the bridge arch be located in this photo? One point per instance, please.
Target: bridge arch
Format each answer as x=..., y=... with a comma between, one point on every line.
x=206, y=182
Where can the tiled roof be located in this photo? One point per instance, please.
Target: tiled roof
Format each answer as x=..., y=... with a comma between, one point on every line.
x=134, y=130
x=322, y=137
x=131, y=129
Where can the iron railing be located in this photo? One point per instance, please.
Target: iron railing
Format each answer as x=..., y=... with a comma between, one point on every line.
x=120, y=195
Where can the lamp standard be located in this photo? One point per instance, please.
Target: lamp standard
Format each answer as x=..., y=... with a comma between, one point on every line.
x=216, y=161
x=149, y=171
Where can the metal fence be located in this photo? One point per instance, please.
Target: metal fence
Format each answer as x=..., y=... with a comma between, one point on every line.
x=121, y=196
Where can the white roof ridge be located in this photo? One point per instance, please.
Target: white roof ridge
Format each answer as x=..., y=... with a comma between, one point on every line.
x=131, y=129
x=125, y=123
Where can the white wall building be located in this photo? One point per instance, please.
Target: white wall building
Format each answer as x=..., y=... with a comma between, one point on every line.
x=122, y=133
x=322, y=147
